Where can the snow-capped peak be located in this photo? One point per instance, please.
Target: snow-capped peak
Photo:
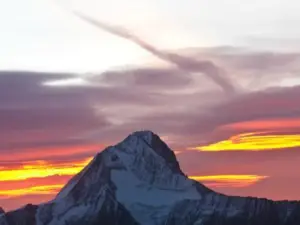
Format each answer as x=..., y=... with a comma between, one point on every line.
x=144, y=134
x=155, y=145
x=141, y=172
x=142, y=154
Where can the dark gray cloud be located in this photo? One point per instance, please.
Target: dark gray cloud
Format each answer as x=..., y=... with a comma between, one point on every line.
x=150, y=77
x=34, y=115
x=198, y=123
x=244, y=58
x=249, y=68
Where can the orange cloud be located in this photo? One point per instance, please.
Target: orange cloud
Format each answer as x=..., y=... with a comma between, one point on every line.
x=51, y=152
x=38, y=188
x=37, y=177
x=41, y=169
x=228, y=180
x=35, y=190
x=274, y=124
x=255, y=141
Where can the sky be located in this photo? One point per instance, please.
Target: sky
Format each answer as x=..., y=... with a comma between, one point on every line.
x=217, y=80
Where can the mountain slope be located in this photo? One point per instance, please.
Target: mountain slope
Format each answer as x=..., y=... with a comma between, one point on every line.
x=139, y=181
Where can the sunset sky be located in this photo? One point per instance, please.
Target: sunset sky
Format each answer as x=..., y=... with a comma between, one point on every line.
x=217, y=80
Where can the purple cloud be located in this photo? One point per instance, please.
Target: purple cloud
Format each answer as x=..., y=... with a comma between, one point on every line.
x=213, y=72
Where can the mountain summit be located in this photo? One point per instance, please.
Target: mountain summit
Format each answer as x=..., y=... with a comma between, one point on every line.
x=139, y=182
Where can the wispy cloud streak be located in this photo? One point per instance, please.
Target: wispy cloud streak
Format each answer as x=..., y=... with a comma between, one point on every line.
x=216, y=74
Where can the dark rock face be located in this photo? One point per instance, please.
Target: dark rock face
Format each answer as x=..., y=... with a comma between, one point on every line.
x=93, y=196
x=111, y=214
x=23, y=216
x=165, y=152
x=1, y=211
x=237, y=210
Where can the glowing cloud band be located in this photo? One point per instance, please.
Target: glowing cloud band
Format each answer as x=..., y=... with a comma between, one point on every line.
x=229, y=180
x=253, y=142
x=35, y=190
x=41, y=169
x=275, y=124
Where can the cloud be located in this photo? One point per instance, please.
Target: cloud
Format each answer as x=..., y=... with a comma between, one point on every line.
x=270, y=125
x=238, y=180
x=255, y=141
x=34, y=190
x=42, y=169
x=251, y=69
x=192, y=118
x=150, y=77
x=266, y=104
x=197, y=113
x=36, y=116
x=187, y=120
x=186, y=64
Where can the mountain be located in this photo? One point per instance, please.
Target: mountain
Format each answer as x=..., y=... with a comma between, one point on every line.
x=139, y=182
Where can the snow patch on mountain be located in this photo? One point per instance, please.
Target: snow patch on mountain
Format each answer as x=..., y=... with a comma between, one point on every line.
x=141, y=198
